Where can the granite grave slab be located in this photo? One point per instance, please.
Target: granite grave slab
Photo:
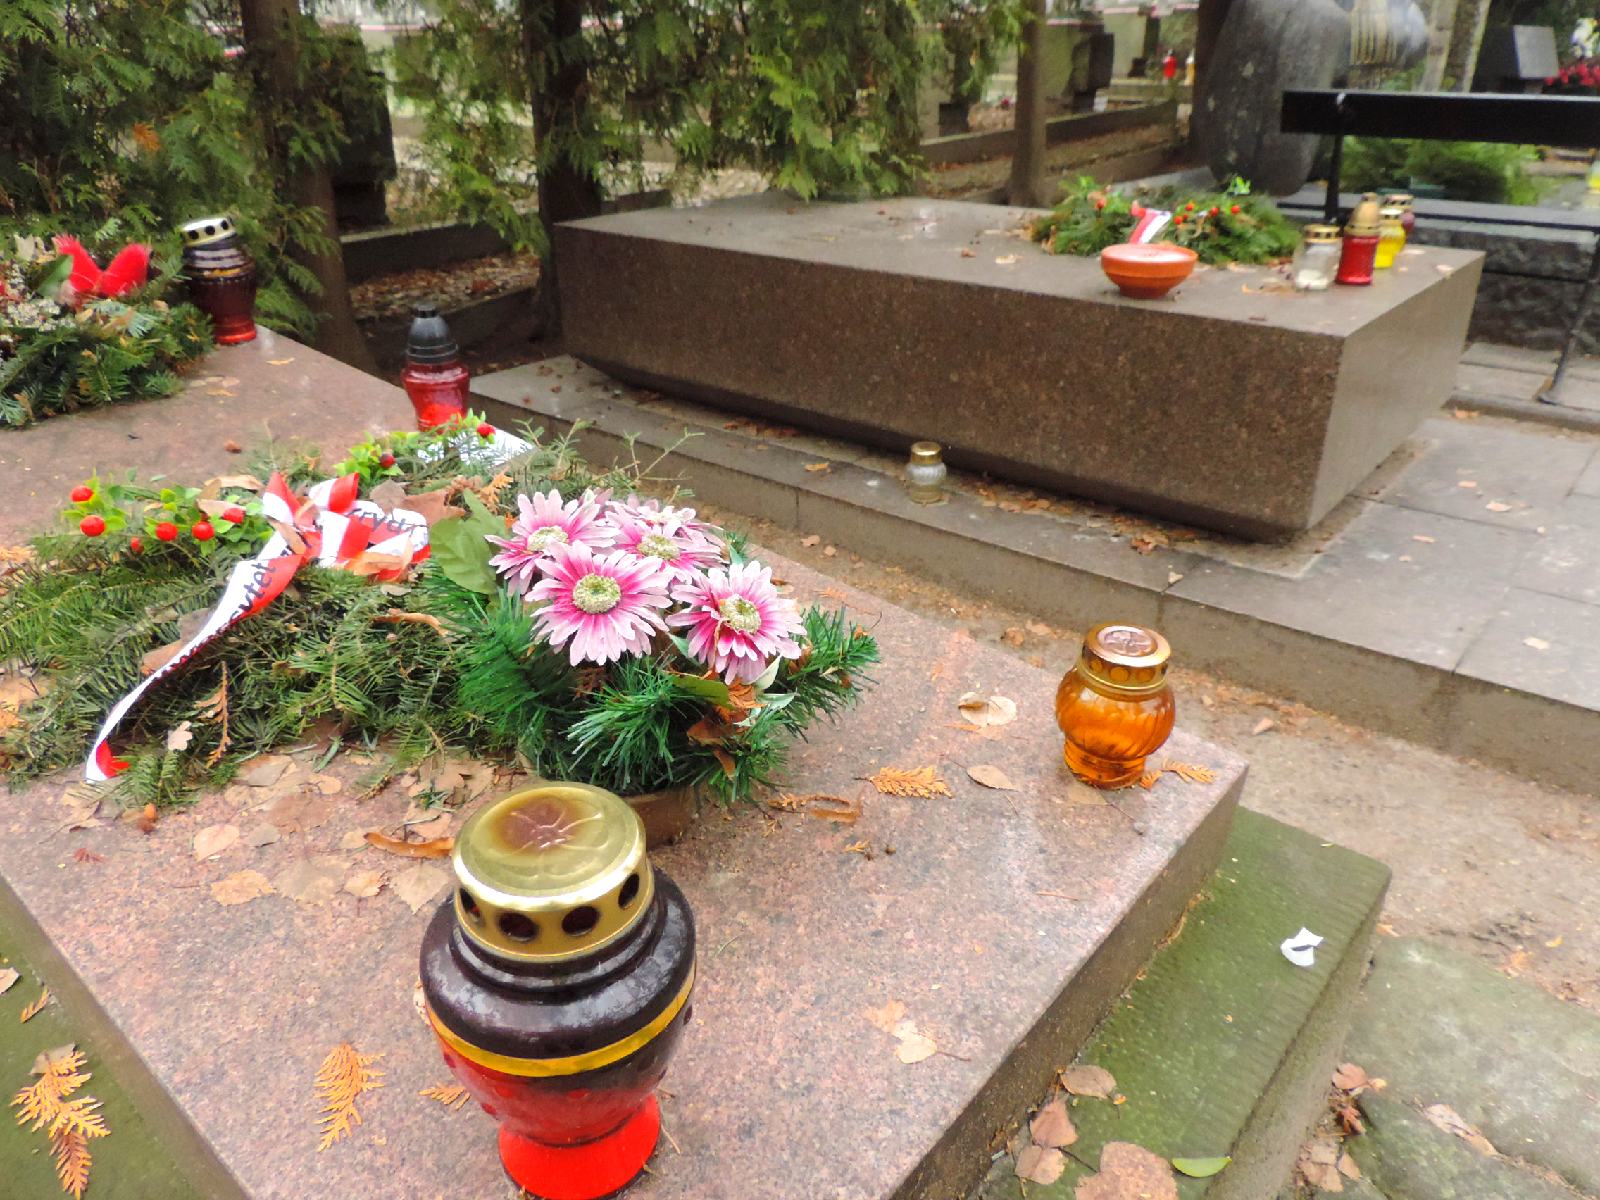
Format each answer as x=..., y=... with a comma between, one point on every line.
x=1005, y=922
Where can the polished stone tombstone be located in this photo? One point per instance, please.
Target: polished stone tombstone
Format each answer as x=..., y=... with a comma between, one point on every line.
x=1234, y=403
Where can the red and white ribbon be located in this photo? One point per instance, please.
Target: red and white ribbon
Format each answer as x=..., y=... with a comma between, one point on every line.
x=329, y=527
x=1151, y=222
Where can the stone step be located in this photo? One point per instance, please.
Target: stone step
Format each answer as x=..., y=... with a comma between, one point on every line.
x=1006, y=923
x=1408, y=610
x=1520, y=1065
x=1222, y=1046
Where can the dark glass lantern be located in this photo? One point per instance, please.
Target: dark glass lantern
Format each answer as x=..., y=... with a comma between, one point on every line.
x=222, y=278
x=435, y=378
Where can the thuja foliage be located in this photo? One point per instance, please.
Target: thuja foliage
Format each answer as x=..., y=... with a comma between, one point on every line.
x=1487, y=172
x=130, y=110
x=1230, y=225
x=975, y=33
x=82, y=614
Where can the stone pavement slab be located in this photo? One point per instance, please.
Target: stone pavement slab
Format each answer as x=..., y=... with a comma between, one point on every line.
x=1514, y=1061
x=782, y=1089
x=1564, y=562
x=271, y=389
x=1542, y=643
x=1223, y=1046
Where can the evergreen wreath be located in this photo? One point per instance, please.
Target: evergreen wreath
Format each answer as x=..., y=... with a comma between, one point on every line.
x=637, y=647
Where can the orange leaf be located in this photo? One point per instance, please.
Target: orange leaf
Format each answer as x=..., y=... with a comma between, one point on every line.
x=452, y=1096
x=436, y=848
x=33, y=1009
x=923, y=782
x=344, y=1075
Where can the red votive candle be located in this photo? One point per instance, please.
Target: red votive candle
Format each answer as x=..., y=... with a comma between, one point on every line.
x=435, y=378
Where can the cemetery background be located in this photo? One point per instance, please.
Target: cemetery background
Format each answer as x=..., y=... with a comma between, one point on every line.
x=1520, y=911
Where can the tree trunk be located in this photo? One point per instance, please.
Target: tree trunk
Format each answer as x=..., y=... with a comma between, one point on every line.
x=272, y=50
x=1441, y=29
x=1470, y=18
x=1028, y=186
x=553, y=36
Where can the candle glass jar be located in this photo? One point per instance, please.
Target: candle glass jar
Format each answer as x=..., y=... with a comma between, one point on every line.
x=926, y=473
x=222, y=278
x=436, y=380
x=1358, y=249
x=1316, y=259
x=557, y=980
x=1391, y=238
x=1406, y=203
x=1115, y=707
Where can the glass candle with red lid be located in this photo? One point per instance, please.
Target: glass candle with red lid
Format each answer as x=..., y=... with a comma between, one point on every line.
x=557, y=979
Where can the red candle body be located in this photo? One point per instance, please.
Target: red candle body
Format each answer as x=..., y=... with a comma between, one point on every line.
x=438, y=391
x=1356, y=258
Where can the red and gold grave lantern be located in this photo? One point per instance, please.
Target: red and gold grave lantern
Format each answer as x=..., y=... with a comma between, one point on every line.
x=557, y=979
x=1115, y=707
x=222, y=278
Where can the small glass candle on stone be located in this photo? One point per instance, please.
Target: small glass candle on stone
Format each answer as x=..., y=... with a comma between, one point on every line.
x=435, y=378
x=1406, y=203
x=926, y=473
x=1115, y=707
x=1391, y=237
x=1359, y=247
x=1316, y=259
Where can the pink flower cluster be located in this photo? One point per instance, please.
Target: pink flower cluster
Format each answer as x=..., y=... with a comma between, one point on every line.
x=604, y=574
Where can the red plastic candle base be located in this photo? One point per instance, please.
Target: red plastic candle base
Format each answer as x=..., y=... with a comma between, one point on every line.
x=588, y=1170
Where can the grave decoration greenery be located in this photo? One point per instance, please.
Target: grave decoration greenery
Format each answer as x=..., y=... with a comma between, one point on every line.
x=1230, y=225
x=557, y=618
x=74, y=337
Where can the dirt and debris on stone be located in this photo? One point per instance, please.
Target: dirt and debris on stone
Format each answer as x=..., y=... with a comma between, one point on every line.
x=448, y=287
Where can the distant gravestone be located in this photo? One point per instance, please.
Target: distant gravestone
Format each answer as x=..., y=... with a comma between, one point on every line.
x=1266, y=46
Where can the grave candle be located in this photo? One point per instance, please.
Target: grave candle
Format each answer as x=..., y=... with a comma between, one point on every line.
x=1406, y=203
x=435, y=378
x=1316, y=259
x=1115, y=707
x=926, y=473
x=1391, y=238
x=222, y=278
x=1360, y=245
x=557, y=980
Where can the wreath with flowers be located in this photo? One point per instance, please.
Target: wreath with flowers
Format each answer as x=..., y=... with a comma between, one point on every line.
x=559, y=617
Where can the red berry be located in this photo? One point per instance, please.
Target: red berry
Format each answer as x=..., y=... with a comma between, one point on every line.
x=166, y=531
x=202, y=531
x=486, y=430
x=1136, y=210
x=1215, y=210
x=92, y=526
x=1190, y=206
x=234, y=515
x=1234, y=210
x=82, y=494
x=1178, y=220
x=1099, y=204
x=135, y=545
x=386, y=459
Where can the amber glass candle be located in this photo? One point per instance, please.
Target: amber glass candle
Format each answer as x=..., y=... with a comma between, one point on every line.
x=1115, y=706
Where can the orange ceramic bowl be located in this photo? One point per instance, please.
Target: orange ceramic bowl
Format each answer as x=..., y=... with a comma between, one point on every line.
x=1147, y=271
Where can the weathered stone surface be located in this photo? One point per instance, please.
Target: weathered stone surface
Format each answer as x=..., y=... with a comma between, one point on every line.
x=1230, y=404
x=1522, y=1066
x=270, y=389
x=1223, y=1046
x=782, y=1088
x=1267, y=46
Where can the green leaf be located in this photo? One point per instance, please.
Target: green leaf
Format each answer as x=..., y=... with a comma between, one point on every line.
x=713, y=690
x=52, y=276
x=1200, y=1168
x=462, y=551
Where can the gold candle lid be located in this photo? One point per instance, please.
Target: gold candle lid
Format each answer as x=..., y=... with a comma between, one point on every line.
x=1321, y=233
x=205, y=230
x=1392, y=212
x=551, y=872
x=1400, y=199
x=926, y=453
x=1365, y=219
x=1125, y=658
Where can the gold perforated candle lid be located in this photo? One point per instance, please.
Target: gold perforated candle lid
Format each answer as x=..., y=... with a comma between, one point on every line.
x=1125, y=658
x=1322, y=233
x=926, y=452
x=205, y=230
x=551, y=872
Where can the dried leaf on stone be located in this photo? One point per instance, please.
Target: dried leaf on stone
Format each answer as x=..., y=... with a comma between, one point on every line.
x=1449, y=1120
x=452, y=1096
x=434, y=828
x=1040, y=1164
x=992, y=777
x=355, y=839
x=8, y=979
x=887, y=1017
x=436, y=848
x=298, y=810
x=179, y=737
x=72, y=1159
x=1129, y=1172
x=1085, y=1079
x=240, y=888
x=264, y=834
x=1150, y=778
x=985, y=710
x=1051, y=1126
x=262, y=771
x=1349, y=1077
x=418, y=885
x=922, y=782
x=1201, y=1168
x=33, y=1010
x=341, y=1080
x=213, y=840
x=1190, y=772
x=312, y=882
x=1263, y=725
x=364, y=884
x=818, y=468
x=1348, y=1168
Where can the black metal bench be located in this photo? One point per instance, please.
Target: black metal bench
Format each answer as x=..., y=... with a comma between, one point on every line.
x=1568, y=121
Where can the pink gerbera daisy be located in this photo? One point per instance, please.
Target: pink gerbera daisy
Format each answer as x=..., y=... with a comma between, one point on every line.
x=639, y=511
x=736, y=620
x=683, y=552
x=605, y=606
x=544, y=523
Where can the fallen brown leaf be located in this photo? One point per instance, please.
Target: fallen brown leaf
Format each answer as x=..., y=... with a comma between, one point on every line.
x=1349, y=1077
x=33, y=1010
x=8, y=979
x=888, y=1016
x=1129, y=1172
x=1190, y=772
x=213, y=840
x=364, y=884
x=240, y=888
x=1051, y=1126
x=1085, y=1079
x=922, y=782
x=312, y=882
x=1448, y=1119
x=418, y=885
x=915, y=1047
x=452, y=1096
x=991, y=777
x=1040, y=1164
x=437, y=848
x=1263, y=725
